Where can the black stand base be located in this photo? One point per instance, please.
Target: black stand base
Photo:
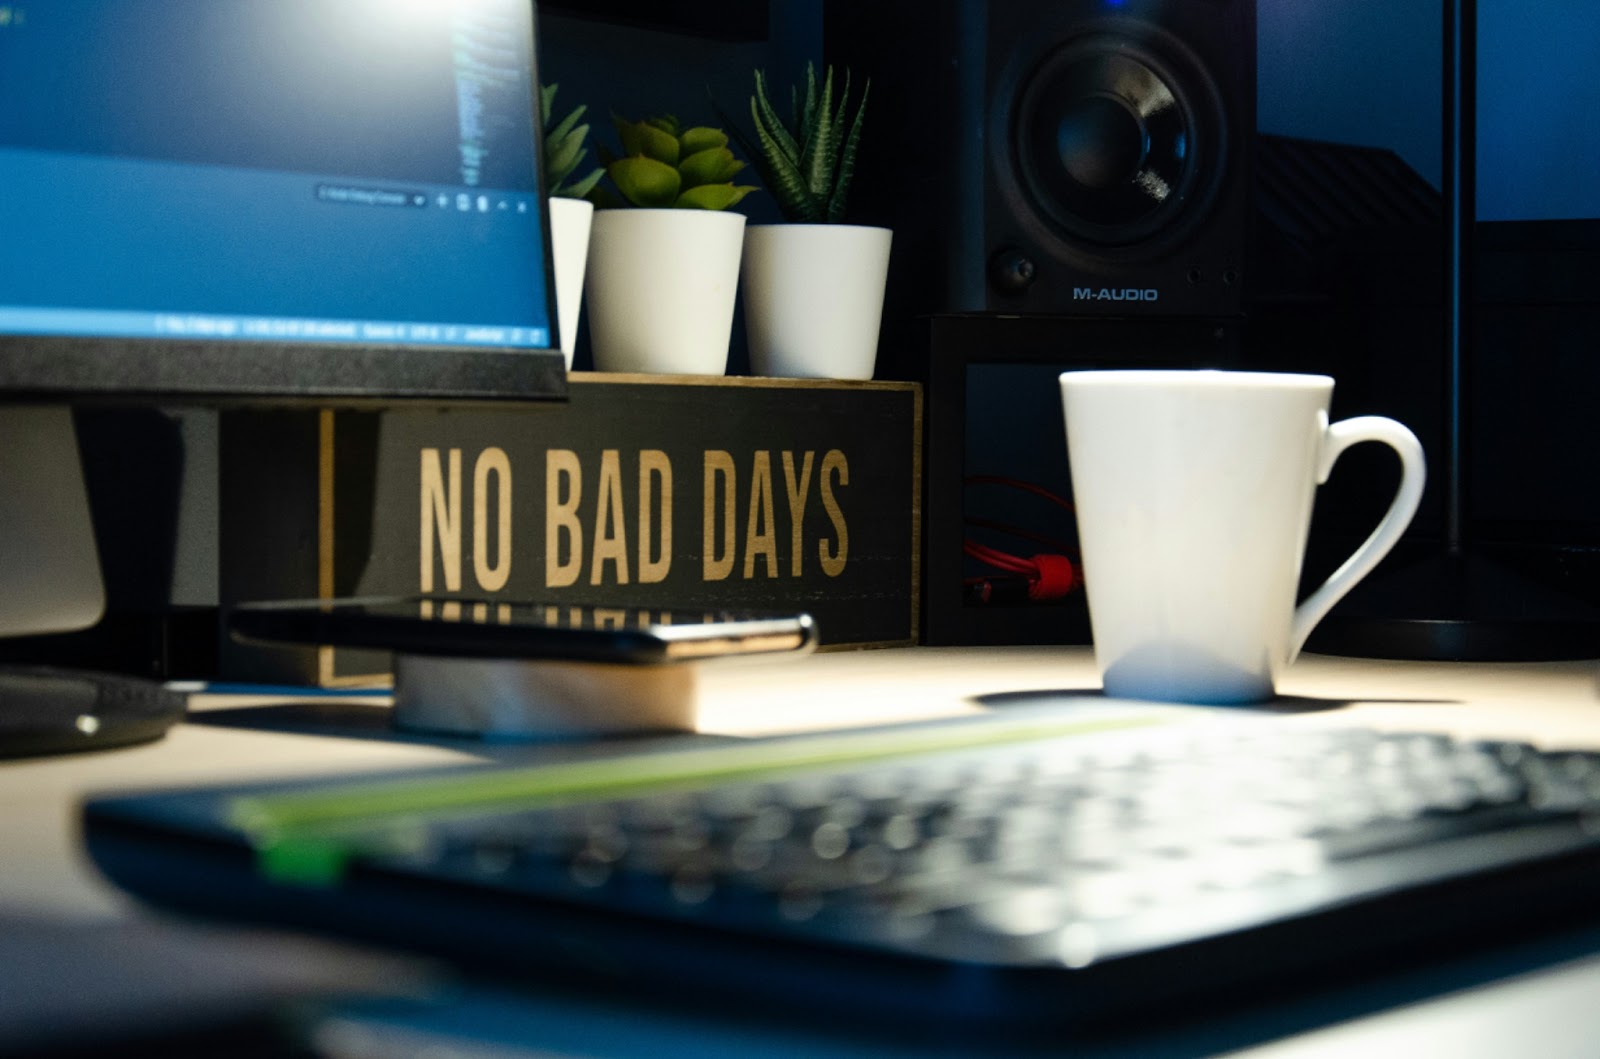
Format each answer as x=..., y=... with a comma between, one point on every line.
x=62, y=711
x=1458, y=607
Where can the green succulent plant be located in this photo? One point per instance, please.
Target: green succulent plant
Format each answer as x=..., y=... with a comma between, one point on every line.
x=564, y=148
x=665, y=165
x=807, y=162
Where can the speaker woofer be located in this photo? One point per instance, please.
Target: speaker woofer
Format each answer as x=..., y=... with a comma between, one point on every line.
x=1116, y=144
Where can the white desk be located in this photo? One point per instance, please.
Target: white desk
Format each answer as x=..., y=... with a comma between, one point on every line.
x=45, y=878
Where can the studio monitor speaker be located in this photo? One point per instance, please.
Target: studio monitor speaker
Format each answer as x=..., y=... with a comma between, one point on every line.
x=1076, y=157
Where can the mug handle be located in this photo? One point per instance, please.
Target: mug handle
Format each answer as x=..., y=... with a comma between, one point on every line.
x=1336, y=439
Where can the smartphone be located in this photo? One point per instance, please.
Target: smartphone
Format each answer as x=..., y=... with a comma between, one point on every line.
x=480, y=628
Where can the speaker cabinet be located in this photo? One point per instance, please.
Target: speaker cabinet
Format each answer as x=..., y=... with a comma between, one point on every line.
x=1069, y=157
x=994, y=412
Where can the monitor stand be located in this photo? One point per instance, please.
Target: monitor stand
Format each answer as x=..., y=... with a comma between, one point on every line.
x=45, y=710
x=50, y=582
x=1458, y=605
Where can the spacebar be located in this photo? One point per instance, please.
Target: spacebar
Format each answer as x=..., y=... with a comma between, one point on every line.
x=1388, y=835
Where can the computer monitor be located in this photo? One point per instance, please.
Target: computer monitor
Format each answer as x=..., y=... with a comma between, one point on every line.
x=324, y=202
x=1537, y=303
x=238, y=199
x=1517, y=576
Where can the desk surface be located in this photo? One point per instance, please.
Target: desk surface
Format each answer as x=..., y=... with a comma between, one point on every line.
x=48, y=886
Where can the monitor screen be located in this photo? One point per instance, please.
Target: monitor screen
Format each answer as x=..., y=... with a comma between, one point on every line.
x=324, y=197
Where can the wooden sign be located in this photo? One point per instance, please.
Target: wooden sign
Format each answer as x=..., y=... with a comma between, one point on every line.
x=640, y=494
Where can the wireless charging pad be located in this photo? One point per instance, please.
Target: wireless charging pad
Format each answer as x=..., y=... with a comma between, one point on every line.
x=513, y=698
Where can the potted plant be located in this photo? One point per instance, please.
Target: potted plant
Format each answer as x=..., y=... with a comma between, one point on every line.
x=570, y=211
x=813, y=287
x=664, y=252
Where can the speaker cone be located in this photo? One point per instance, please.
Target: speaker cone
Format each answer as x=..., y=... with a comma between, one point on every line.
x=1113, y=141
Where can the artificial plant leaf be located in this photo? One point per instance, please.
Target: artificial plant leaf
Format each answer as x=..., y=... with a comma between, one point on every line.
x=666, y=123
x=645, y=181
x=805, y=126
x=767, y=121
x=847, y=155
x=700, y=138
x=842, y=114
x=564, y=154
x=821, y=147
x=547, y=102
x=566, y=125
x=715, y=166
x=657, y=143
x=713, y=196
x=783, y=179
x=580, y=188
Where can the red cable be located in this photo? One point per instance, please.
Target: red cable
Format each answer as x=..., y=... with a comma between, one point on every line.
x=1049, y=576
x=1057, y=577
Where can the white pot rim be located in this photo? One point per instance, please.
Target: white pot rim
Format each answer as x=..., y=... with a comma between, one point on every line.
x=670, y=211
x=818, y=224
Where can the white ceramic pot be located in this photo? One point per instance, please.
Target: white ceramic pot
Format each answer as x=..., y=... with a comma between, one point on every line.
x=661, y=286
x=569, y=247
x=813, y=298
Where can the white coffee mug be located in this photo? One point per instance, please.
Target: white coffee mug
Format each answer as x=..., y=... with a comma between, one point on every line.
x=1193, y=492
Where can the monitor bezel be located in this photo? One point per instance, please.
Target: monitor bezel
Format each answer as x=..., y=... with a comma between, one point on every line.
x=79, y=370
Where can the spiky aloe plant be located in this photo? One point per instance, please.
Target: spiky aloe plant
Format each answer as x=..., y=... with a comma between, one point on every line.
x=665, y=165
x=807, y=162
x=564, y=148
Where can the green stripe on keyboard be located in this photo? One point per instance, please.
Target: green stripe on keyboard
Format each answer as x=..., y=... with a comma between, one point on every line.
x=308, y=837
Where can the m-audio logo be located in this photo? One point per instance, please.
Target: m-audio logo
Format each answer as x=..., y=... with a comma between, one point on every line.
x=1119, y=294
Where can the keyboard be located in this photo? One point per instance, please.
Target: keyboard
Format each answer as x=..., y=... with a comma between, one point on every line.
x=1043, y=867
